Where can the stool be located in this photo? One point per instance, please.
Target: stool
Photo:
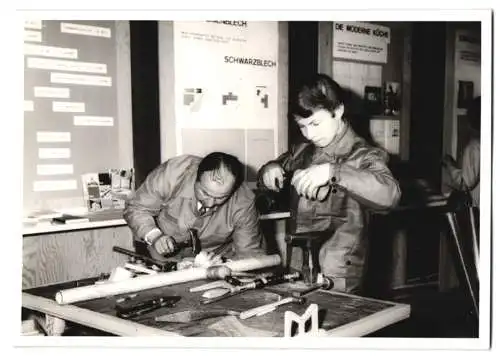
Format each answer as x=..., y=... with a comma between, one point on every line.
x=309, y=243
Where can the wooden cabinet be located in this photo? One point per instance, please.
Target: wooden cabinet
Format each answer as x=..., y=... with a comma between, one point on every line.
x=64, y=256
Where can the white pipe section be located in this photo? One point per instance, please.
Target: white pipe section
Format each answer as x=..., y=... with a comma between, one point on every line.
x=73, y=295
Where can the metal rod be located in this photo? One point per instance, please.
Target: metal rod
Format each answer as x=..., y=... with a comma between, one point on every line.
x=454, y=225
x=137, y=256
x=475, y=246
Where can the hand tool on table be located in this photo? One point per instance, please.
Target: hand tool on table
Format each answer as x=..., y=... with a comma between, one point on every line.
x=188, y=316
x=217, y=288
x=130, y=308
x=137, y=268
x=164, y=266
x=226, y=281
x=257, y=283
x=263, y=309
x=221, y=271
x=211, y=285
x=322, y=283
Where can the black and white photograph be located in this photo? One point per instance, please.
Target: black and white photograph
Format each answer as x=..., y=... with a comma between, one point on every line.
x=213, y=178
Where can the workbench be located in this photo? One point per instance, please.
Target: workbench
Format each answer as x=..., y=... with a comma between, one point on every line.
x=339, y=314
x=50, y=250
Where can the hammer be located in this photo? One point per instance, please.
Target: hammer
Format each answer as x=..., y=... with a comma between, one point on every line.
x=193, y=242
x=165, y=266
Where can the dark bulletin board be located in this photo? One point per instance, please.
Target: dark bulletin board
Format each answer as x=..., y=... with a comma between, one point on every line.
x=67, y=48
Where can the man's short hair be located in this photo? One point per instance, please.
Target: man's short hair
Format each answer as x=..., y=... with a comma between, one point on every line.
x=216, y=161
x=317, y=92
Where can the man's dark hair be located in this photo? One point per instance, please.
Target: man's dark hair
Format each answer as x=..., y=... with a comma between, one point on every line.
x=474, y=113
x=217, y=160
x=318, y=92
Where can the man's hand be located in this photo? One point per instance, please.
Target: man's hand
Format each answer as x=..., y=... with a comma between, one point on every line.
x=163, y=245
x=309, y=180
x=273, y=177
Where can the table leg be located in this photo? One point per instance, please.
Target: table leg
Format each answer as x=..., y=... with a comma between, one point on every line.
x=399, y=250
x=280, y=231
x=50, y=325
x=54, y=326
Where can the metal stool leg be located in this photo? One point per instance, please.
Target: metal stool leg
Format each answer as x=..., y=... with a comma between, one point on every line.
x=454, y=228
x=289, y=249
x=475, y=244
x=306, y=269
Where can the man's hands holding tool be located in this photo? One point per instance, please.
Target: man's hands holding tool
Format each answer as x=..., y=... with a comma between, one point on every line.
x=162, y=246
x=309, y=182
x=273, y=177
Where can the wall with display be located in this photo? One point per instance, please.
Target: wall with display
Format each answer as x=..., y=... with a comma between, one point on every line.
x=77, y=107
x=367, y=59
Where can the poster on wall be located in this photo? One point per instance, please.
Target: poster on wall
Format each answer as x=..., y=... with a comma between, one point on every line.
x=361, y=41
x=226, y=74
x=226, y=86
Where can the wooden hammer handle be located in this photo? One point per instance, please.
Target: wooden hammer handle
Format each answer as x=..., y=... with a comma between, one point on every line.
x=268, y=307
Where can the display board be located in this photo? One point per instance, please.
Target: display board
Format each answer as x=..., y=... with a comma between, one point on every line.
x=368, y=62
x=227, y=89
x=77, y=107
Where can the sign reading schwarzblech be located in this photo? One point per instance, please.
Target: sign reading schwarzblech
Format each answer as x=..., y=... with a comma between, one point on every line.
x=361, y=41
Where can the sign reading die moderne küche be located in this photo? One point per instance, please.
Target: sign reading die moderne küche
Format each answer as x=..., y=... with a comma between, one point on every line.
x=361, y=41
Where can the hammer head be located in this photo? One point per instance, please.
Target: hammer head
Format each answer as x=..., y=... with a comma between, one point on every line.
x=194, y=241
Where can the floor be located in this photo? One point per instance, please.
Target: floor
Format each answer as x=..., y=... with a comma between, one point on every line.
x=434, y=315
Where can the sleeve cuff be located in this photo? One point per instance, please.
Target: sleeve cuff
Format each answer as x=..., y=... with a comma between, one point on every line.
x=334, y=174
x=152, y=235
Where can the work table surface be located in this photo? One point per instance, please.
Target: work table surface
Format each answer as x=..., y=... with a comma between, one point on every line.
x=339, y=314
x=105, y=219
